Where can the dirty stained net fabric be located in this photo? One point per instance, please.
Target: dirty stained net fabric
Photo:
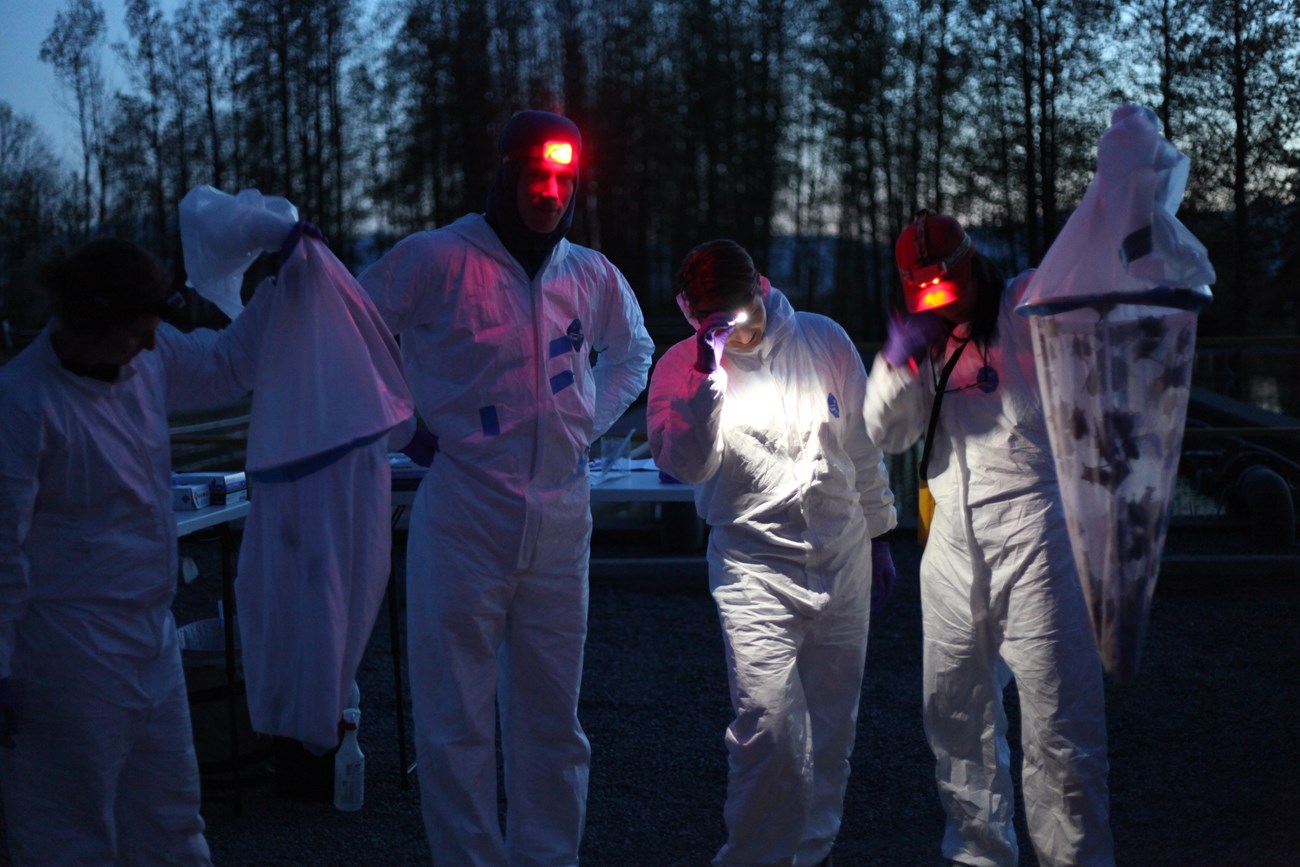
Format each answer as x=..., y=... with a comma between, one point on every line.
x=330, y=391
x=1117, y=392
x=1113, y=314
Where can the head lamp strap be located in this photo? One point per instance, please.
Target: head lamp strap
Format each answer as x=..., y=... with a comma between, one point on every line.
x=943, y=264
x=556, y=151
x=962, y=249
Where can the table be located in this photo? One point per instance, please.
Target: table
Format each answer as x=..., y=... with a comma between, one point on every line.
x=188, y=522
x=639, y=486
x=635, y=486
x=221, y=517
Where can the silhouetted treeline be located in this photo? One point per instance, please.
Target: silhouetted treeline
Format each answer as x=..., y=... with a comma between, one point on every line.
x=809, y=130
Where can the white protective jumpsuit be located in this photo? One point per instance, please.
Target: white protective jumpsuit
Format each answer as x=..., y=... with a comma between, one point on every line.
x=1000, y=598
x=104, y=769
x=501, y=525
x=793, y=490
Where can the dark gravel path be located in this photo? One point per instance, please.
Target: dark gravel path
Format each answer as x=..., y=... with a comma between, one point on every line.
x=1205, y=748
x=1205, y=759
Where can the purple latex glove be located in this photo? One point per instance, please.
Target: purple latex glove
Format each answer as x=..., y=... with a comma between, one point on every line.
x=911, y=339
x=10, y=712
x=300, y=228
x=882, y=574
x=422, y=447
x=710, y=338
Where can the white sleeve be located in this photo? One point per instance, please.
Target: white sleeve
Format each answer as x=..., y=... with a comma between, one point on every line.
x=623, y=351
x=206, y=369
x=395, y=282
x=897, y=406
x=684, y=416
x=872, y=476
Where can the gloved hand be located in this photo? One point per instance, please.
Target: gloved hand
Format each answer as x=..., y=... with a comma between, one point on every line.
x=911, y=339
x=300, y=228
x=882, y=574
x=422, y=447
x=10, y=711
x=710, y=338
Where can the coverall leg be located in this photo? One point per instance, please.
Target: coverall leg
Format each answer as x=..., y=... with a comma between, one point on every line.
x=456, y=619
x=158, y=793
x=546, y=753
x=834, y=657
x=100, y=757
x=769, y=785
x=963, y=715
x=1051, y=651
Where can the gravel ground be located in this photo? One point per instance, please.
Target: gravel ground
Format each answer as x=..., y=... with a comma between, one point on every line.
x=1205, y=764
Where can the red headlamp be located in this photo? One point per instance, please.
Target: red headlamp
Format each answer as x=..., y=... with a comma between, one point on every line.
x=558, y=152
x=928, y=286
x=928, y=296
x=554, y=153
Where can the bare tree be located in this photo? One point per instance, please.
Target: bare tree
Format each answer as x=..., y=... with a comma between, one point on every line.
x=145, y=57
x=851, y=44
x=72, y=47
x=199, y=49
x=1248, y=121
x=31, y=181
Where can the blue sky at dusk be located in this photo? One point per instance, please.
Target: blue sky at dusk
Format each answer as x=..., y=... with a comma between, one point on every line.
x=29, y=86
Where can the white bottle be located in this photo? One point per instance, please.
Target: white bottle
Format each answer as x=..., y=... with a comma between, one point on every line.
x=354, y=695
x=350, y=766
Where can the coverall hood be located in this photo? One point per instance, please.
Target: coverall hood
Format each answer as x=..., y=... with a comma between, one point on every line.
x=780, y=318
x=526, y=130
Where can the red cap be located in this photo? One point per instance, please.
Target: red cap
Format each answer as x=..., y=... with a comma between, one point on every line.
x=932, y=255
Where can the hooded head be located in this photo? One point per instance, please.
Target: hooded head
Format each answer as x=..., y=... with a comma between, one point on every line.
x=108, y=281
x=720, y=276
x=933, y=255
x=109, y=295
x=531, y=203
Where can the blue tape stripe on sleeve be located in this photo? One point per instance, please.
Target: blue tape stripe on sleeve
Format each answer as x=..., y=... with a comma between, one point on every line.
x=488, y=418
x=561, y=381
x=561, y=345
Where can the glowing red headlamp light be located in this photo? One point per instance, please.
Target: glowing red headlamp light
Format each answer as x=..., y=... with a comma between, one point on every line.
x=553, y=152
x=926, y=287
x=931, y=295
x=558, y=152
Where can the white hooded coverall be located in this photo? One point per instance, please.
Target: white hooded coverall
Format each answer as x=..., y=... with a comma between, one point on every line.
x=793, y=490
x=104, y=770
x=1000, y=598
x=501, y=525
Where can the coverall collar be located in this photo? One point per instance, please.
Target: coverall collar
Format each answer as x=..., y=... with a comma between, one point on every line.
x=475, y=229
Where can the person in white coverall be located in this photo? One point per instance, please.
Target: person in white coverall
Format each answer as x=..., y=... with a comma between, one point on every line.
x=999, y=594
x=498, y=316
x=762, y=411
x=97, y=764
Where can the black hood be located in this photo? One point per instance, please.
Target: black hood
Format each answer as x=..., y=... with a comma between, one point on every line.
x=524, y=131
